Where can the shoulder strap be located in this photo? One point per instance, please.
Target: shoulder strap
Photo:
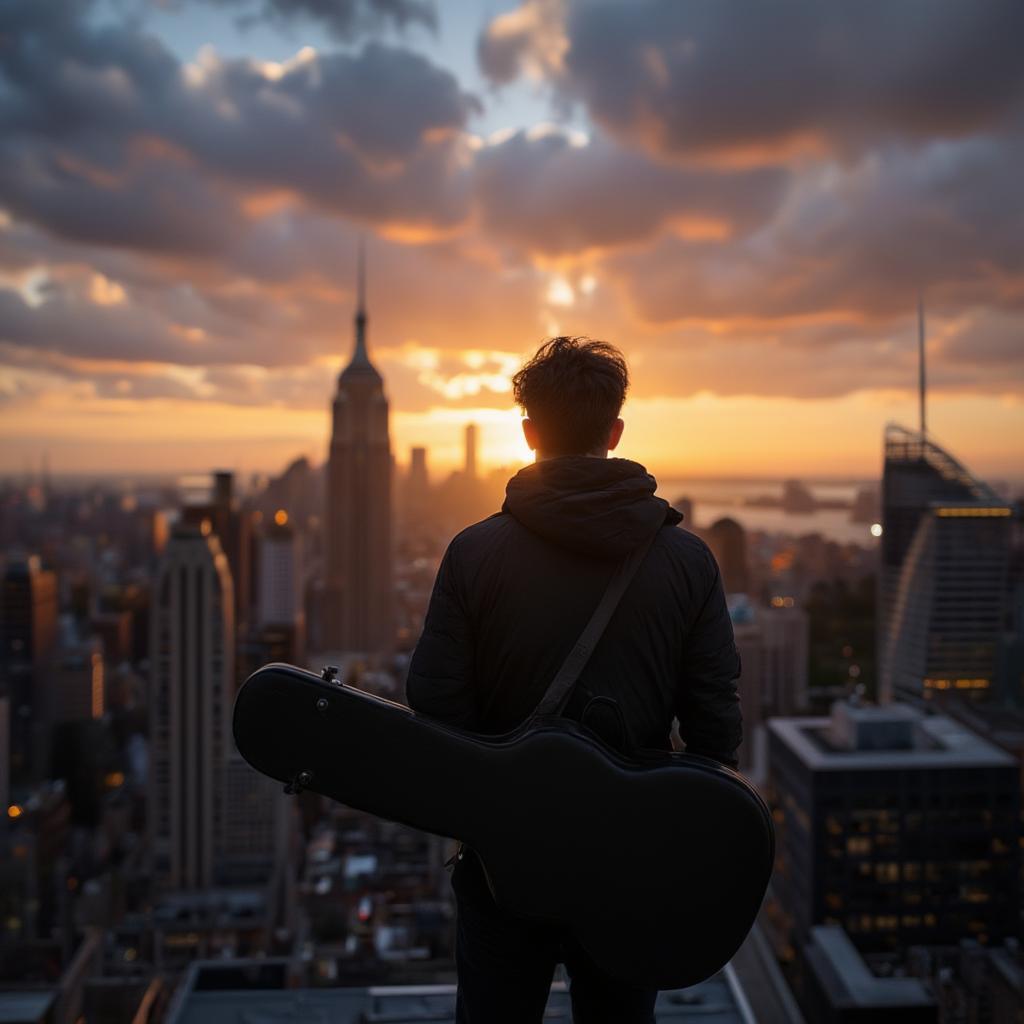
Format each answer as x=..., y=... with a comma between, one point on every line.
x=557, y=695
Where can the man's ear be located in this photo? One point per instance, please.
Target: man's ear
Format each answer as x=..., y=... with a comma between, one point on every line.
x=615, y=434
x=530, y=433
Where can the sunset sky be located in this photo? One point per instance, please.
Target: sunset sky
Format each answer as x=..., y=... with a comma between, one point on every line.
x=746, y=198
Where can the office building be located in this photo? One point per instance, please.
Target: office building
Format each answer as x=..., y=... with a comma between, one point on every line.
x=28, y=635
x=232, y=526
x=418, y=480
x=190, y=707
x=256, y=817
x=5, y=758
x=469, y=463
x=77, y=682
x=298, y=490
x=358, y=582
x=280, y=574
x=28, y=612
x=418, y=512
x=728, y=542
x=212, y=818
x=773, y=648
x=942, y=599
x=686, y=506
x=899, y=826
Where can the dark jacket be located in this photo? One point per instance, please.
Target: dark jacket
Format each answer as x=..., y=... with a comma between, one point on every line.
x=514, y=592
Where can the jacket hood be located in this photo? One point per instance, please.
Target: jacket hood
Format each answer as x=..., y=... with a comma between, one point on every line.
x=591, y=505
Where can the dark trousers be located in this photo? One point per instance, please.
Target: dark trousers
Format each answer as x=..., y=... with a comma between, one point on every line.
x=506, y=964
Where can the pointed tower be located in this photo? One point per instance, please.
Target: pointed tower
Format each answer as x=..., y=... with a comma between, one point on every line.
x=920, y=360
x=357, y=520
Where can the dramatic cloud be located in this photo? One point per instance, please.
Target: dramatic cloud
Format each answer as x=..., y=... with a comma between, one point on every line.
x=526, y=40
x=728, y=79
x=555, y=193
x=859, y=242
x=103, y=127
x=343, y=19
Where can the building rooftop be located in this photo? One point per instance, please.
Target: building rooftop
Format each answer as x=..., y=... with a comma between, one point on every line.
x=218, y=905
x=25, y=1007
x=1008, y=969
x=894, y=736
x=912, y=447
x=1003, y=725
x=719, y=1000
x=849, y=982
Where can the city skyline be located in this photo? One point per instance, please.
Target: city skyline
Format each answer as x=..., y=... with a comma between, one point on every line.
x=268, y=269
x=163, y=264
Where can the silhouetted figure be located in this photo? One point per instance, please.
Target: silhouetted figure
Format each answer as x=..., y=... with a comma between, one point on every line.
x=512, y=595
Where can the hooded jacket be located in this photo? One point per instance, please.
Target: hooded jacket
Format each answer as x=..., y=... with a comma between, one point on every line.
x=514, y=592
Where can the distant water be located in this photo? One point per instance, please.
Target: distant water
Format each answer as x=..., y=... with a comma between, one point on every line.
x=713, y=499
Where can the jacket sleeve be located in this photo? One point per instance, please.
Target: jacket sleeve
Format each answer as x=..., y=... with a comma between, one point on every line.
x=440, y=680
x=707, y=702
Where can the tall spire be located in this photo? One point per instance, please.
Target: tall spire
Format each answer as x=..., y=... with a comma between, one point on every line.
x=360, y=361
x=361, y=276
x=360, y=354
x=920, y=357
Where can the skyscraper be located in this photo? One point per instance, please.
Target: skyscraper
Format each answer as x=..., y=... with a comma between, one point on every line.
x=358, y=582
x=470, y=465
x=192, y=686
x=943, y=587
x=418, y=512
x=942, y=581
x=280, y=574
x=28, y=635
x=417, y=488
x=773, y=643
x=76, y=681
x=728, y=542
x=278, y=632
x=232, y=527
x=28, y=613
x=5, y=757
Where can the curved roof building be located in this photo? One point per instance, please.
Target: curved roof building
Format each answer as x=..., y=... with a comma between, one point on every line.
x=943, y=573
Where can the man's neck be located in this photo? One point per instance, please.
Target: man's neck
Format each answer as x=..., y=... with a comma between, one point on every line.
x=539, y=456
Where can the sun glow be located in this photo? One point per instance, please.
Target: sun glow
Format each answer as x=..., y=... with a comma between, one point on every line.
x=560, y=292
x=500, y=436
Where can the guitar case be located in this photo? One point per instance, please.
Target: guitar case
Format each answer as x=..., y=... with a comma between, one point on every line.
x=657, y=861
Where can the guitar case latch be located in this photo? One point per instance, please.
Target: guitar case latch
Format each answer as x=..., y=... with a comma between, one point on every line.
x=299, y=783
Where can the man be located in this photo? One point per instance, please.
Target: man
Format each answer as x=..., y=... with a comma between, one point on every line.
x=511, y=598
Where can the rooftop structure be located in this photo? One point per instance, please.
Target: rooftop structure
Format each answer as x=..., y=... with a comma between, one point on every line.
x=840, y=987
x=236, y=992
x=26, y=1007
x=898, y=825
x=885, y=737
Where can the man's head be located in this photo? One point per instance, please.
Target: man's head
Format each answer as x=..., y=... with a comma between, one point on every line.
x=572, y=391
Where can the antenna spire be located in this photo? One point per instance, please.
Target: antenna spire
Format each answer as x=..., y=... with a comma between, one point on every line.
x=360, y=356
x=359, y=365
x=361, y=276
x=921, y=362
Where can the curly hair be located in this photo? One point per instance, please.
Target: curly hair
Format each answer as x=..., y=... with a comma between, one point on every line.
x=572, y=389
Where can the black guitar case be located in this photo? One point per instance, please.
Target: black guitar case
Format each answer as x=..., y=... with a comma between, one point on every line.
x=658, y=862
